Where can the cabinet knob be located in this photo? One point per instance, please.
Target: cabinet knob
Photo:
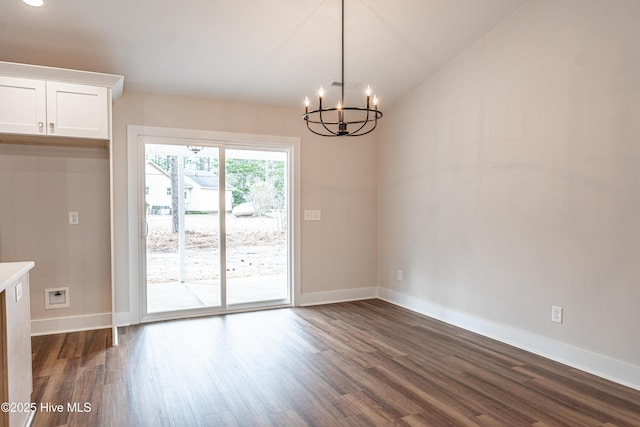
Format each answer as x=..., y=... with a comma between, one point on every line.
x=51, y=125
x=40, y=125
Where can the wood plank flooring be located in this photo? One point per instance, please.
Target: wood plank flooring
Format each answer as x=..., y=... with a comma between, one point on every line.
x=365, y=363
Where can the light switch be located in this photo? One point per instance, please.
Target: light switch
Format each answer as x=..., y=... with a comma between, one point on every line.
x=312, y=215
x=74, y=219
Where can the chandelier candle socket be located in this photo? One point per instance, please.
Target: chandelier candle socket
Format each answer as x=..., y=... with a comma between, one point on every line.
x=342, y=120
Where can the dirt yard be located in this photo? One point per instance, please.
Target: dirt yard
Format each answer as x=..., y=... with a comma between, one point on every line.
x=256, y=246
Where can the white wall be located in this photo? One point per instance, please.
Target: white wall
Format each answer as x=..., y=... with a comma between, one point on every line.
x=509, y=181
x=39, y=185
x=337, y=176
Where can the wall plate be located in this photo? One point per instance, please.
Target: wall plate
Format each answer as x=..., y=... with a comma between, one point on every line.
x=556, y=314
x=56, y=298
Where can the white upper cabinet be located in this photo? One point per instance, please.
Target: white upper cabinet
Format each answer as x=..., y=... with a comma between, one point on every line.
x=37, y=107
x=79, y=111
x=23, y=108
x=55, y=102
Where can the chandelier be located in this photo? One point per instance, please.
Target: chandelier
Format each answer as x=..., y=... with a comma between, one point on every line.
x=342, y=120
x=195, y=148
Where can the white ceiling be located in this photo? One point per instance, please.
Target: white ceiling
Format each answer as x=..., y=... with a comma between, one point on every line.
x=263, y=51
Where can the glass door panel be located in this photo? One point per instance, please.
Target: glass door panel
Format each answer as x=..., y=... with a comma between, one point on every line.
x=257, y=256
x=182, y=242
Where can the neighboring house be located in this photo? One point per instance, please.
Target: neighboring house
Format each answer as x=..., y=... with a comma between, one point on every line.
x=200, y=191
x=202, y=195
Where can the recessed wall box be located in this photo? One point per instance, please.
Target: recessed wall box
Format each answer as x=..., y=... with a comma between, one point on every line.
x=56, y=298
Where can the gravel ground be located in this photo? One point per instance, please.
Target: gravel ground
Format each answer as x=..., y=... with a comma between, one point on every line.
x=256, y=246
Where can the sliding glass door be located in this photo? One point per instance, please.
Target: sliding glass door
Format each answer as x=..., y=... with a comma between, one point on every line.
x=256, y=231
x=182, y=218
x=216, y=237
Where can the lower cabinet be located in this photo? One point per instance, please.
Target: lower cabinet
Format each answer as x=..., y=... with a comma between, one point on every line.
x=16, y=352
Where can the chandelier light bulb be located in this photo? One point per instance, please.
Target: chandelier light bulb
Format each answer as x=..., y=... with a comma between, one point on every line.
x=321, y=92
x=368, y=92
x=375, y=100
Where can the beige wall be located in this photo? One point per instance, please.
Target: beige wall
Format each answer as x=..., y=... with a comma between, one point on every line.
x=509, y=180
x=338, y=177
x=39, y=185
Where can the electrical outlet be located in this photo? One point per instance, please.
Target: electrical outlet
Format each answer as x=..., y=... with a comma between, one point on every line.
x=556, y=314
x=399, y=276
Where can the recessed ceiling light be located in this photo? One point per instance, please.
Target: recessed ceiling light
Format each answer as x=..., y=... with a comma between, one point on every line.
x=34, y=3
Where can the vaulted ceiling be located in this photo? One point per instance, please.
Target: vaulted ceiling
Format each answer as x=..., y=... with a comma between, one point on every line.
x=262, y=51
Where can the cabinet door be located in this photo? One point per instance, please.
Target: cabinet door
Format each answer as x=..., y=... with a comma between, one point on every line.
x=78, y=111
x=22, y=106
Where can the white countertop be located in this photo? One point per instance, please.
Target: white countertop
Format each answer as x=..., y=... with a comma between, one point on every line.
x=10, y=271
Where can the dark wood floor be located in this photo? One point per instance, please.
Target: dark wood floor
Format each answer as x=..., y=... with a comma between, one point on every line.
x=364, y=363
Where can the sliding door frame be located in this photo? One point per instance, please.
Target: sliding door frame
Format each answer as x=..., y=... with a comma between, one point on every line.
x=137, y=137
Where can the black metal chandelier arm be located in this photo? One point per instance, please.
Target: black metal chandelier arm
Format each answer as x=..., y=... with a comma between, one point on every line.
x=324, y=127
x=364, y=123
x=364, y=133
x=323, y=124
x=318, y=133
x=378, y=114
x=332, y=134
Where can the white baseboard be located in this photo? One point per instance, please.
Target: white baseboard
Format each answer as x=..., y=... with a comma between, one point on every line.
x=328, y=297
x=603, y=366
x=59, y=325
